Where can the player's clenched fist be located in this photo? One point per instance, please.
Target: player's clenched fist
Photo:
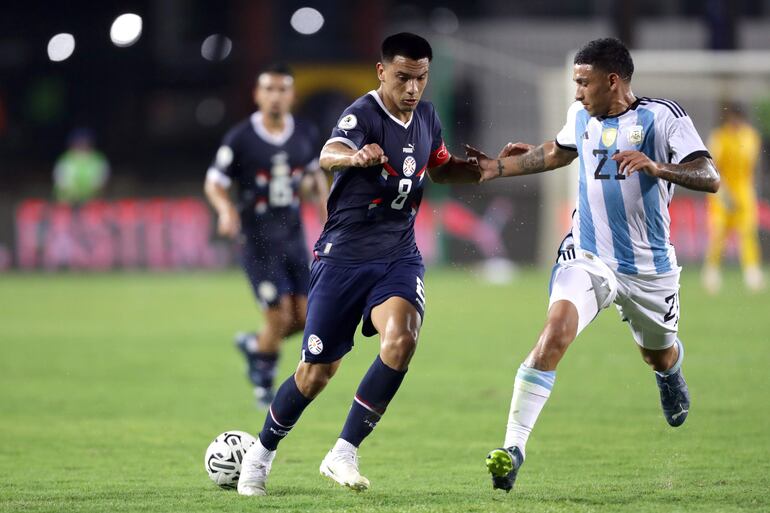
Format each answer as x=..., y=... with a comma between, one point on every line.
x=369, y=155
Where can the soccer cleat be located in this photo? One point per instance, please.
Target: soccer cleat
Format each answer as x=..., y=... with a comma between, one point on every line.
x=253, y=475
x=504, y=465
x=342, y=467
x=674, y=397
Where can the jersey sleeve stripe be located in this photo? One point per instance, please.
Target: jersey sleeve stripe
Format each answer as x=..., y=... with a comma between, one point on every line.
x=218, y=177
x=343, y=140
x=672, y=106
x=694, y=155
x=565, y=146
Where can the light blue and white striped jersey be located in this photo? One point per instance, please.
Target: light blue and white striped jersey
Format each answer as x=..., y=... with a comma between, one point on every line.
x=625, y=220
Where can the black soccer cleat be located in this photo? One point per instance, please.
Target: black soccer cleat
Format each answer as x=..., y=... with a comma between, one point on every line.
x=674, y=397
x=504, y=465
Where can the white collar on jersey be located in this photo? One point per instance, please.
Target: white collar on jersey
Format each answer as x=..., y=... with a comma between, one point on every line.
x=275, y=139
x=394, y=118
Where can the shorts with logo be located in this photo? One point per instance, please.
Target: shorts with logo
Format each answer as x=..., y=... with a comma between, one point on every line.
x=275, y=270
x=648, y=303
x=342, y=295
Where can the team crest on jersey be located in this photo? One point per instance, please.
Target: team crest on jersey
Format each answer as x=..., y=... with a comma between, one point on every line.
x=636, y=134
x=348, y=122
x=608, y=136
x=410, y=165
x=314, y=344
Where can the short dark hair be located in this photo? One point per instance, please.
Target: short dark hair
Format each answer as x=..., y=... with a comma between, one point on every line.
x=279, y=68
x=406, y=45
x=608, y=54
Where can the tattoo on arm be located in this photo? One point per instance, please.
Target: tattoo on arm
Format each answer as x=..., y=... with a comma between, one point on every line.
x=533, y=161
x=698, y=175
x=499, y=167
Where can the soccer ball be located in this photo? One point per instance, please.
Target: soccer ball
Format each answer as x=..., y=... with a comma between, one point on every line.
x=224, y=456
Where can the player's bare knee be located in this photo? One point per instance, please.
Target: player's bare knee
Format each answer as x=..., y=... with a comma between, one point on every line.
x=397, y=349
x=311, y=378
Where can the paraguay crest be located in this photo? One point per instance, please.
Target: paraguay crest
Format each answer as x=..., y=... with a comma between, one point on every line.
x=314, y=344
x=608, y=136
x=410, y=165
x=636, y=134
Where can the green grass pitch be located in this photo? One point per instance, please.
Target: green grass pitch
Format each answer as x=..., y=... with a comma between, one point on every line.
x=112, y=386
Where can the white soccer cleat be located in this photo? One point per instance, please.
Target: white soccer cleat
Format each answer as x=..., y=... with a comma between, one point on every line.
x=253, y=474
x=342, y=467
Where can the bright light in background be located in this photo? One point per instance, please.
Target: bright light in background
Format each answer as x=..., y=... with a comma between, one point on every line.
x=216, y=47
x=444, y=21
x=60, y=47
x=307, y=21
x=126, y=30
x=210, y=111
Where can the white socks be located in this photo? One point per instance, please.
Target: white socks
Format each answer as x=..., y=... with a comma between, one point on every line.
x=531, y=390
x=344, y=446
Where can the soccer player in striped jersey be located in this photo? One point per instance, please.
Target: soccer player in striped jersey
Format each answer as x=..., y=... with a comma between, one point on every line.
x=632, y=152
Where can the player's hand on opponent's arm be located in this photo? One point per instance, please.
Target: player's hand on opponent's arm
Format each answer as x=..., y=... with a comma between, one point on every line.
x=631, y=161
x=490, y=169
x=229, y=223
x=369, y=155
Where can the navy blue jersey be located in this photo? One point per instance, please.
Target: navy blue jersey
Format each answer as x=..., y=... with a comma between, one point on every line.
x=372, y=210
x=267, y=169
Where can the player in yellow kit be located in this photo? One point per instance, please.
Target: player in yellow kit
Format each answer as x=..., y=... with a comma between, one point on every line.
x=735, y=147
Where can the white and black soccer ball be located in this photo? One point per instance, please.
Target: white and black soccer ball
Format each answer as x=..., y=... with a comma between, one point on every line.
x=224, y=457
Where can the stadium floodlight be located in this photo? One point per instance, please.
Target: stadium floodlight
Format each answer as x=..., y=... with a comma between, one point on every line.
x=307, y=20
x=216, y=47
x=126, y=30
x=61, y=46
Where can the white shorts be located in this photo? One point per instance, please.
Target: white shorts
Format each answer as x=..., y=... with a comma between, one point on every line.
x=649, y=304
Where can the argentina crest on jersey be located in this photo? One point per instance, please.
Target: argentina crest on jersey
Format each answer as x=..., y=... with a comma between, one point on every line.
x=635, y=135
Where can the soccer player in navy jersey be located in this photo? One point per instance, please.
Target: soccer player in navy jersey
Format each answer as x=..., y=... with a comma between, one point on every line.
x=272, y=157
x=367, y=265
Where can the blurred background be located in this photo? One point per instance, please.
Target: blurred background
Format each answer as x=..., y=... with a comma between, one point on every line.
x=151, y=94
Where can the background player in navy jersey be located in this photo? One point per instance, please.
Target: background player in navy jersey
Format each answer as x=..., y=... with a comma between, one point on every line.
x=367, y=265
x=272, y=158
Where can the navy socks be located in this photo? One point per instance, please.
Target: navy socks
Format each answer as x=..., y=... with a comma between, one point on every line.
x=374, y=393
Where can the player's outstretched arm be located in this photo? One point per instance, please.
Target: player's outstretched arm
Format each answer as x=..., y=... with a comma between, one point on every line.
x=336, y=156
x=521, y=159
x=699, y=174
x=455, y=170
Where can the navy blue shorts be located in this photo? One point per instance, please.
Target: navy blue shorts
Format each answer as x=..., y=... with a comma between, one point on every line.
x=342, y=295
x=276, y=270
